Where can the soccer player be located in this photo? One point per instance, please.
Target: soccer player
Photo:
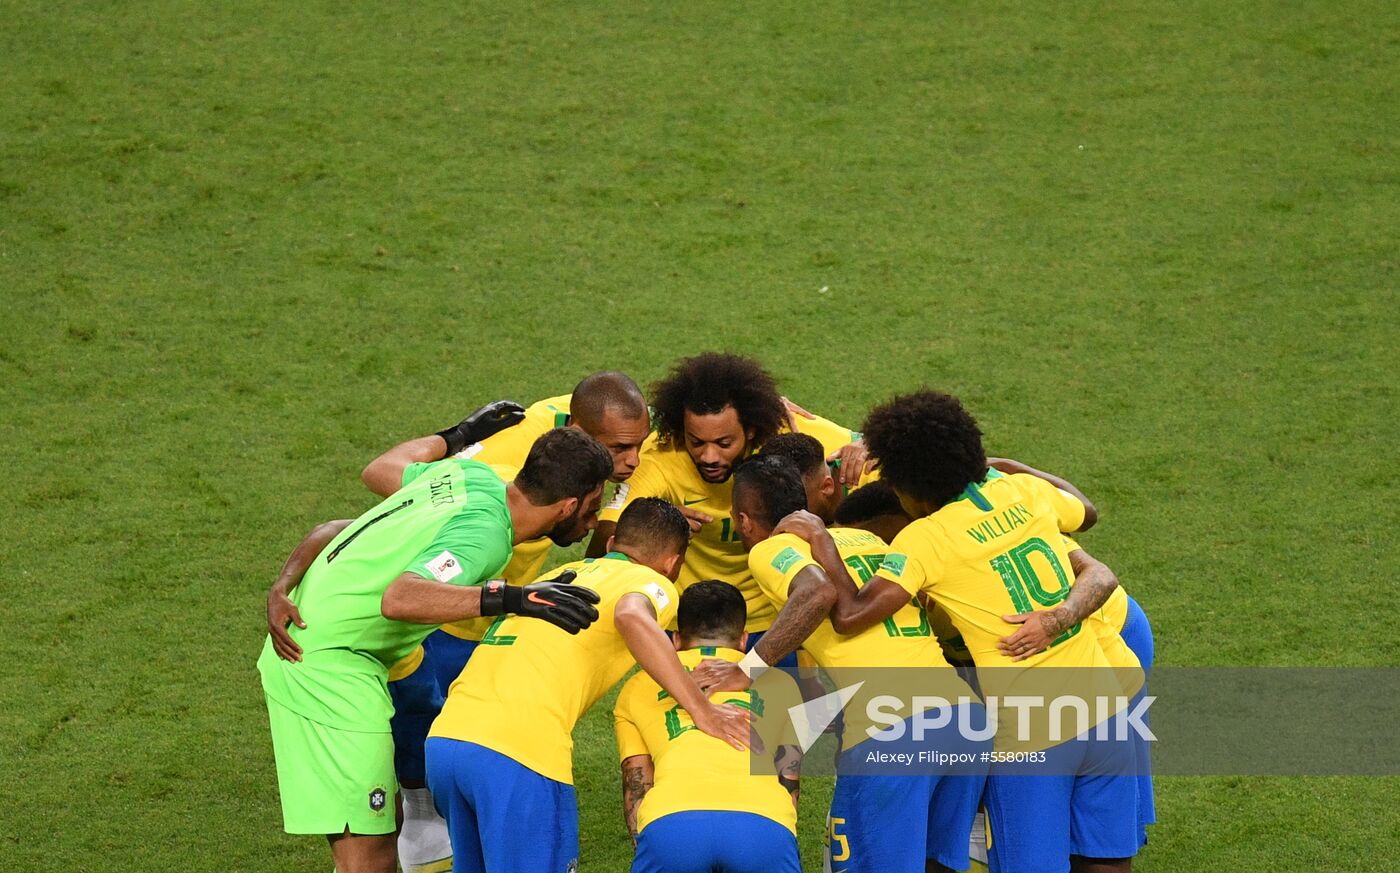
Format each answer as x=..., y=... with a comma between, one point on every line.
x=607, y=406
x=879, y=820
x=692, y=802
x=500, y=754
x=405, y=566
x=712, y=411
x=985, y=545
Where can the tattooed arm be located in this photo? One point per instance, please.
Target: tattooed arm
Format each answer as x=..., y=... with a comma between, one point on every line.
x=810, y=598
x=788, y=762
x=1093, y=583
x=638, y=775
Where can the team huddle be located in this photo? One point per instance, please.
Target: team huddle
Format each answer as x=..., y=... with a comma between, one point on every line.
x=423, y=675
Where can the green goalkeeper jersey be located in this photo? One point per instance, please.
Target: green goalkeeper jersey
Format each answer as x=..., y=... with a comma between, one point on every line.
x=448, y=522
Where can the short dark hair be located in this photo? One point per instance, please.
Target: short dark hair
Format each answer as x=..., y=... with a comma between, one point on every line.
x=777, y=484
x=599, y=392
x=711, y=610
x=805, y=452
x=652, y=526
x=867, y=502
x=706, y=384
x=563, y=463
x=927, y=445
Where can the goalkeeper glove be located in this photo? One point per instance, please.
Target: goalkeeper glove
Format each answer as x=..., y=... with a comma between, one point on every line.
x=490, y=419
x=554, y=600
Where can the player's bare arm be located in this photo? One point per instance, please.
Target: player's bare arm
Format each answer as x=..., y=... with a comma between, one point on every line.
x=384, y=475
x=281, y=611
x=638, y=776
x=1007, y=465
x=810, y=599
x=414, y=599
x=1094, y=582
x=635, y=619
x=856, y=608
x=788, y=763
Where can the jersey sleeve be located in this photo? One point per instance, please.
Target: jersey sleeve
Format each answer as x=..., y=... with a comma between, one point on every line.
x=413, y=471
x=1069, y=510
x=629, y=735
x=831, y=435
x=470, y=548
x=662, y=595
x=775, y=694
x=911, y=562
x=646, y=481
x=775, y=561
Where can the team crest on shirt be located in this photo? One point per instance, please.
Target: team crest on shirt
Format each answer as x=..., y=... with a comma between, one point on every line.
x=445, y=567
x=378, y=798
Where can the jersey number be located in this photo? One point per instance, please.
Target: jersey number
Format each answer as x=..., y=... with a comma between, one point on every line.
x=727, y=534
x=674, y=728
x=866, y=567
x=493, y=639
x=1024, y=585
x=839, y=846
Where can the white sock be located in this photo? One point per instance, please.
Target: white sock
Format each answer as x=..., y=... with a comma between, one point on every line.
x=424, y=846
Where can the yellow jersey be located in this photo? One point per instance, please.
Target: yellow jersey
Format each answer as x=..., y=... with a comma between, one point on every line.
x=715, y=550
x=1107, y=625
x=529, y=681
x=905, y=639
x=998, y=550
x=695, y=771
x=508, y=448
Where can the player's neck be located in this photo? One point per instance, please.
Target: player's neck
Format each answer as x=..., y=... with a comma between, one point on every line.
x=711, y=643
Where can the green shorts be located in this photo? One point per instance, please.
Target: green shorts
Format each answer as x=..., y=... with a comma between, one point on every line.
x=332, y=779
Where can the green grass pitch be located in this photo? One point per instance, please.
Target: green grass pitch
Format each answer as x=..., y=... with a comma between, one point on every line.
x=244, y=247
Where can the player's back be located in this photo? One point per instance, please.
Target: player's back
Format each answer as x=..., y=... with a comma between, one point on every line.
x=998, y=550
x=695, y=771
x=512, y=444
x=340, y=596
x=529, y=681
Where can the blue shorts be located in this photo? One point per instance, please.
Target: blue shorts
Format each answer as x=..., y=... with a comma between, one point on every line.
x=899, y=820
x=1137, y=633
x=714, y=841
x=501, y=815
x=1086, y=805
x=445, y=655
x=417, y=701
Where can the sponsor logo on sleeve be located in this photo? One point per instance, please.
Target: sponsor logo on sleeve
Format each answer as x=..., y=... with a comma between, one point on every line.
x=894, y=562
x=619, y=497
x=445, y=567
x=785, y=559
x=658, y=595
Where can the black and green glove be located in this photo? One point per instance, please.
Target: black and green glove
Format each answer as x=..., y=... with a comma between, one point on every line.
x=490, y=419
x=554, y=600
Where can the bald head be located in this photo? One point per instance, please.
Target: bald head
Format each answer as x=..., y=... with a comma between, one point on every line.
x=601, y=392
x=609, y=407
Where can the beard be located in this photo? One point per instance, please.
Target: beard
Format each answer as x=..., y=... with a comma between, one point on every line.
x=568, y=531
